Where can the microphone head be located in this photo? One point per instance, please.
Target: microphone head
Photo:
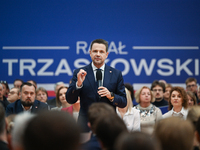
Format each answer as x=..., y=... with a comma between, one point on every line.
x=99, y=75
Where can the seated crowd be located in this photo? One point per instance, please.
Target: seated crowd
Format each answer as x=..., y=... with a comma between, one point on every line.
x=160, y=117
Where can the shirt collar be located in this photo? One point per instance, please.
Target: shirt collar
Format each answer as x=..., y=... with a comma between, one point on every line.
x=94, y=67
x=183, y=111
x=28, y=109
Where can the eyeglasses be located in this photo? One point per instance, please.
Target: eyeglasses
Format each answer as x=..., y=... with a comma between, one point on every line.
x=11, y=93
x=5, y=82
x=159, y=90
x=189, y=86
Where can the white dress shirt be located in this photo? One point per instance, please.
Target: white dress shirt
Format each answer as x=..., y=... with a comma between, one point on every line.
x=183, y=113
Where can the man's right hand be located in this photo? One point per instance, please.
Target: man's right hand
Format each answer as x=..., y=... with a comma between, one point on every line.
x=81, y=77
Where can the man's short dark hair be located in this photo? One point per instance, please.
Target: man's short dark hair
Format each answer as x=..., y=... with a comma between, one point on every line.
x=28, y=84
x=2, y=119
x=18, y=80
x=100, y=41
x=108, y=128
x=52, y=130
x=155, y=83
x=190, y=79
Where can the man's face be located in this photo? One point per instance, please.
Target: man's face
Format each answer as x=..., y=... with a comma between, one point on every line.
x=17, y=84
x=1, y=93
x=27, y=95
x=158, y=92
x=13, y=95
x=98, y=54
x=192, y=86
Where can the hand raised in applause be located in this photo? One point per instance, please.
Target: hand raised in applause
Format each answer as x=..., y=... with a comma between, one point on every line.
x=81, y=77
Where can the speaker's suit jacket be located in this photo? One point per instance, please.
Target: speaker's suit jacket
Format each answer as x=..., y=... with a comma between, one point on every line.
x=113, y=81
x=16, y=107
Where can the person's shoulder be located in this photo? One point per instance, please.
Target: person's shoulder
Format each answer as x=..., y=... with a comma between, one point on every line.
x=14, y=103
x=37, y=102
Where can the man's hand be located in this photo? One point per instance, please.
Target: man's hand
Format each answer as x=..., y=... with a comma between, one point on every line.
x=103, y=91
x=81, y=77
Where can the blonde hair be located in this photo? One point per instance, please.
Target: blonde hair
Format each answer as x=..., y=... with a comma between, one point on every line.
x=129, y=99
x=193, y=114
x=138, y=92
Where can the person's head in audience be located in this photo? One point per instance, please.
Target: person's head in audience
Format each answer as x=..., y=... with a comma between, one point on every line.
x=191, y=84
x=130, y=89
x=61, y=97
x=178, y=98
x=33, y=82
x=13, y=95
x=5, y=88
x=18, y=82
x=197, y=133
x=174, y=133
x=96, y=110
x=20, y=122
x=158, y=89
x=198, y=92
x=192, y=100
x=41, y=94
x=1, y=91
x=58, y=85
x=168, y=88
x=27, y=95
x=10, y=126
x=144, y=96
x=52, y=130
x=136, y=141
x=108, y=128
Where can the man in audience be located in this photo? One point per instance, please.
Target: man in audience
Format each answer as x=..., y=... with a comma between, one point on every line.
x=17, y=83
x=3, y=99
x=52, y=102
x=158, y=89
x=108, y=128
x=33, y=82
x=191, y=85
x=94, y=112
x=5, y=88
x=174, y=133
x=3, y=133
x=13, y=95
x=26, y=102
x=52, y=130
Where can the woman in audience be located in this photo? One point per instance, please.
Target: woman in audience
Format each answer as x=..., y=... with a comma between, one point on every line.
x=193, y=116
x=129, y=115
x=73, y=109
x=178, y=103
x=149, y=113
x=168, y=88
x=192, y=100
x=61, y=101
x=41, y=94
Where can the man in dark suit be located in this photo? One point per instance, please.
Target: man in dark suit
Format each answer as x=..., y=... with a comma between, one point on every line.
x=26, y=102
x=84, y=83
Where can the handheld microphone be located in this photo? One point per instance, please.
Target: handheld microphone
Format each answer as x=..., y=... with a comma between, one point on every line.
x=99, y=79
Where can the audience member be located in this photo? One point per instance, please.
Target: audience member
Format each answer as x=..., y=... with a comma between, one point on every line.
x=198, y=94
x=191, y=85
x=178, y=103
x=174, y=134
x=33, y=82
x=94, y=112
x=5, y=88
x=17, y=83
x=130, y=89
x=197, y=133
x=52, y=102
x=168, y=88
x=3, y=99
x=129, y=115
x=193, y=116
x=136, y=141
x=149, y=113
x=158, y=89
x=41, y=94
x=73, y=109
x=163, y=81
x=192, y=100
x=61, y=101
x=10, y=126
x=108, y=128
x=26, y=102
x=3, y=132
x=20, y=122
x=13, y=95
x=52, y=130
